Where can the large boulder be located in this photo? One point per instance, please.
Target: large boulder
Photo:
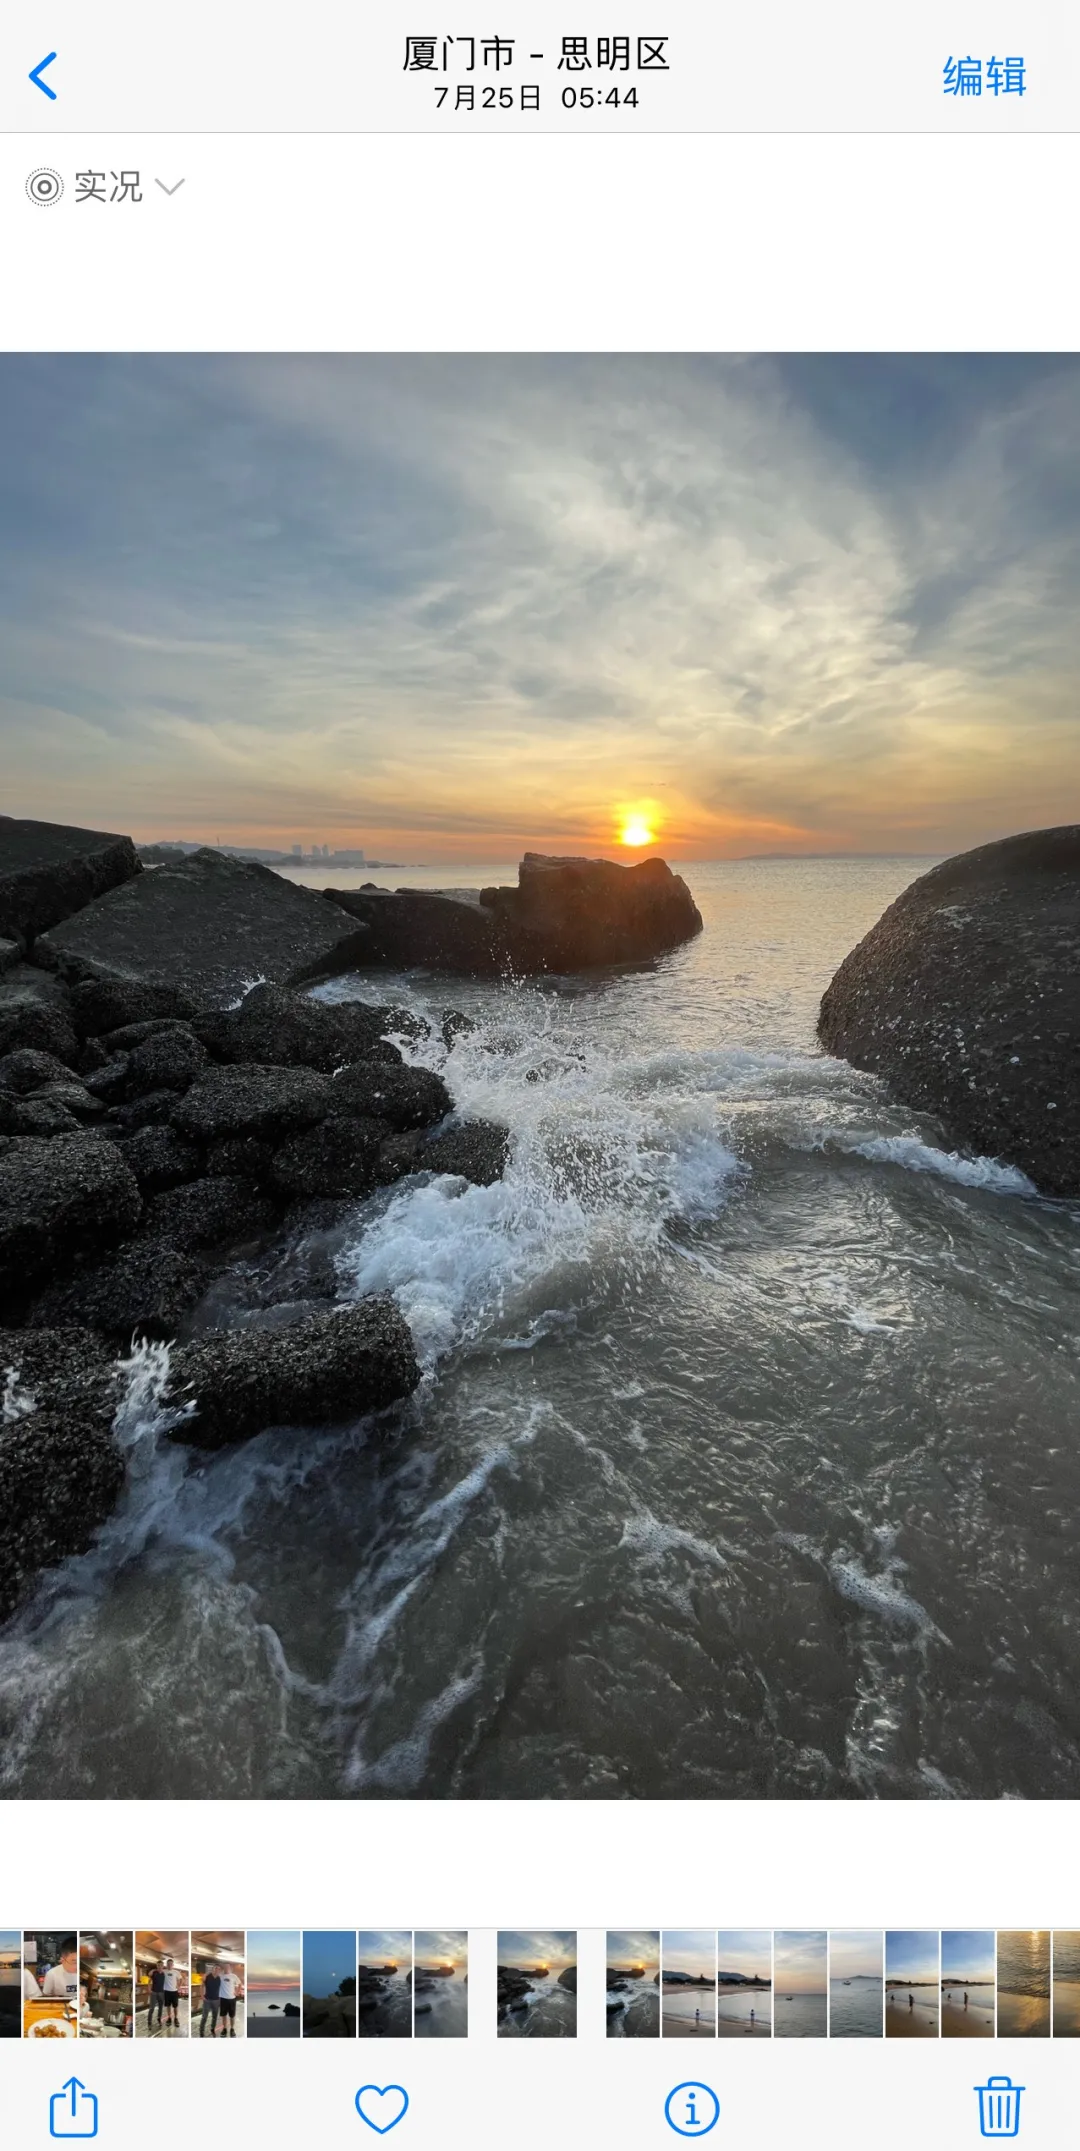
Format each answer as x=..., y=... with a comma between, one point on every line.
x=60, y=1468
x=574, y=914
x=329, y=1367
x=61, y=1200
x=432, y=929
x=47, y=871
x=564, y=915
x=966, y=997
x=204, y=929
x=475, y=1150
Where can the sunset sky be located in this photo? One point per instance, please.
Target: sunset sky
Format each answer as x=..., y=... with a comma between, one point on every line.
x=745, y=1949
x=273, y=1961
x=527, y=1949
x=912, y=1954
x=855, y=1954
x=451, y=609
x=442, y=1945
x=799, y=1960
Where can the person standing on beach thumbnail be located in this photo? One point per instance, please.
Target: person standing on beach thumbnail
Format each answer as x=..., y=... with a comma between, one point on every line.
x=911, y=2001
x=211, y=2001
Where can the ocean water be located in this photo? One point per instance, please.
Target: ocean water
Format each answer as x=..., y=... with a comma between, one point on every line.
x=639, y=2015
x=801, y=2016
x=551, y=2013
x=741, y=1466
x=442, y=2011
x=855, y=2007
x=688, y=2012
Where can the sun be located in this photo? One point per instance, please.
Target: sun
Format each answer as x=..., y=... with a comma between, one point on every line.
x=635, y=832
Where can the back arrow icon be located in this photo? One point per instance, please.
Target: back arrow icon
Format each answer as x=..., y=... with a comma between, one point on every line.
x=37, y=72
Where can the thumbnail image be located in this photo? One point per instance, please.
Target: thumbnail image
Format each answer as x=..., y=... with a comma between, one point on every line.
x=688, y=1983
x=330, y=1983
x=384, y=1983
x=856, y=1984
x=536, y=1986
x=162, y=1985
x=1023, y=1983
x=273, y=2002
x=968, y=1957
x=50, y=1985
x=441, y=1984
x=912, y=1975
x=1066, y=1961
x=10, y=1983
x=689, y=741
x=107, y=1985
x=633, y=1985
x=217, y=1985
x=744, y=1983
x=801, y=1984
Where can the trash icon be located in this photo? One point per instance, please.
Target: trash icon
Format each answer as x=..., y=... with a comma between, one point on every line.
x=999, y=2106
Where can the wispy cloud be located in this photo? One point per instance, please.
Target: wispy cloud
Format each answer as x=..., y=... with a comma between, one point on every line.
x=476, y=602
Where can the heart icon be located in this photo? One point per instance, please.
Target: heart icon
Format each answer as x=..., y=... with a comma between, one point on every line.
x=382, y=2108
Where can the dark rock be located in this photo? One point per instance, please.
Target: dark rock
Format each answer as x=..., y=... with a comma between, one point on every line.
x=965, y=997
x=267, y=1102
x=156, y=1106
x=48, y=871
x=204, y=927
x=564, y=915
x=283, y=1029
x=398, y=1155
x=61, y=1200
x=71, y=1094
x=60, y=1469
x=101, y=1006
x=573, y=914
x=568, y=1979
x=289, y=2009
x=26, y=1070
x=34, y=1012
x=11, y=953
x=36, y=1115
x=337, y=1158
x=169, y=1061
x=144, y=1291
x=432, y=929
x=109, y=1082
x=330, y=1367
x=477, y=1150
x=130, y=1035
x=455, y=1025
x=242, y=1156
x=160, y=1158
x=208, y=1213
x=405, y=1097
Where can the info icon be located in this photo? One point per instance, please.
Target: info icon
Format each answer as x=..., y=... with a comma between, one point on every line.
x=692, y=2109
x=44, y=186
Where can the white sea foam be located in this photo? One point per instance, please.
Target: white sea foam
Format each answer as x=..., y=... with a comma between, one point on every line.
x=912, y=1155
x=603, y=1158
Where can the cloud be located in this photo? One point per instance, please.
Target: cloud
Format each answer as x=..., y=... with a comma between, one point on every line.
x=466, y=600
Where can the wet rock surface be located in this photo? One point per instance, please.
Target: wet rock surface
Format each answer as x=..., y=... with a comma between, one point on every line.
x=60, y=1468
x=333, y=1366
x=965, y=997
x=61, y=1199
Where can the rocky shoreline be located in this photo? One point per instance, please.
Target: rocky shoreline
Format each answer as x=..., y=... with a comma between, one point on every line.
x=171, y=1098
